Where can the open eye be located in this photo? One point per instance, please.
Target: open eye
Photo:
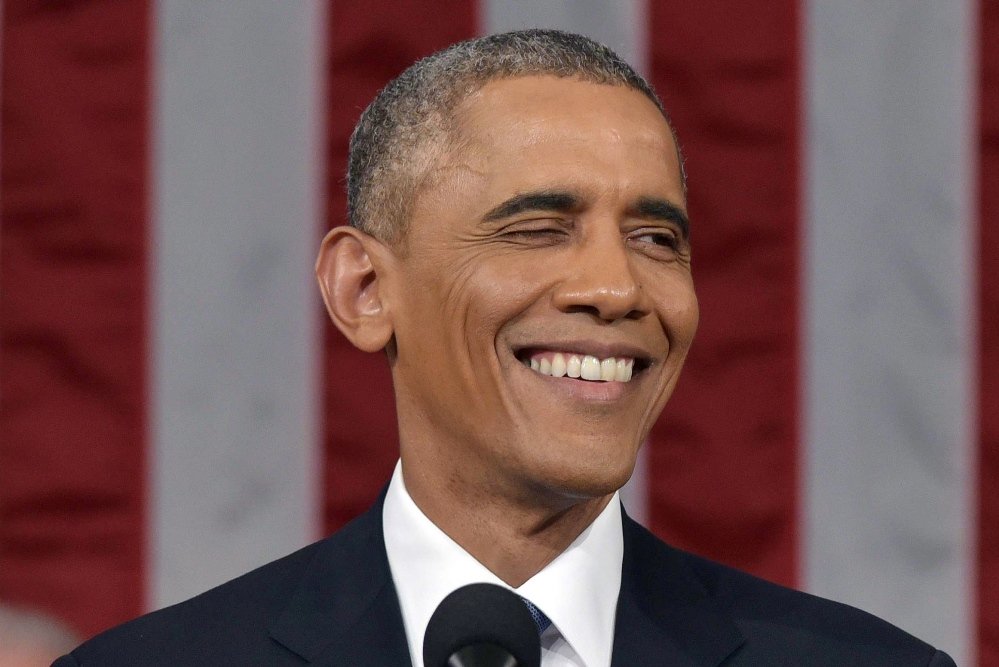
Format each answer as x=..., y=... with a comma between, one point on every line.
x=662, y=238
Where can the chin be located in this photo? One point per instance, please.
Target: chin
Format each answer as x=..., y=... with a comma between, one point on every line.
x=582, y=478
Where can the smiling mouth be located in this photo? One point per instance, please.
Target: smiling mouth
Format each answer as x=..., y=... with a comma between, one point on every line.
x=581, y=366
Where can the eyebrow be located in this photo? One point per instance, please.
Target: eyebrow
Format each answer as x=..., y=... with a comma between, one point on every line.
x=649, y=208
x=545, y=200
x=652, y=208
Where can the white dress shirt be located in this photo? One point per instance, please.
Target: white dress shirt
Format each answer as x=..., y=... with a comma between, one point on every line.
x=578, y=590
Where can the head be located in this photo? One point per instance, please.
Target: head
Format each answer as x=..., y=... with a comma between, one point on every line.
x=520, y=248
x=410, y=124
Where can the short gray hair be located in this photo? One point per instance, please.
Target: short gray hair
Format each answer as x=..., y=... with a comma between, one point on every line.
x=393, y=146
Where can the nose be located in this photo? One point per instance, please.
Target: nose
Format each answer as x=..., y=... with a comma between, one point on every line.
x=601, y=280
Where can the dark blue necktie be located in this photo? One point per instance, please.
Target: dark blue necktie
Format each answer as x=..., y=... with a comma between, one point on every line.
x=539, y=617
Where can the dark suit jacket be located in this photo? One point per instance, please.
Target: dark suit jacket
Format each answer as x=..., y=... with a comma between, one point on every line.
x=334, y=603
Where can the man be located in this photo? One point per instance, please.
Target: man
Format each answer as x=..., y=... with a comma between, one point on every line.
x=31, y=639
x=520, y=250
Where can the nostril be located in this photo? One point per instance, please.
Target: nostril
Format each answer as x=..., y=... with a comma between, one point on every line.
x=579, y=308
x=602, y=301
x=607, y=313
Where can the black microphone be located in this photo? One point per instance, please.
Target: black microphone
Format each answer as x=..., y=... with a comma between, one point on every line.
x=482, y=625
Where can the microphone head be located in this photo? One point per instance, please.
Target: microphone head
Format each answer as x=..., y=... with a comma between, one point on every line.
x=481, y=614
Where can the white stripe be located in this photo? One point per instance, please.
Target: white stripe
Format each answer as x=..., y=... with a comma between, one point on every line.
x=622, y=27
x=888, y=283
x=236, y=210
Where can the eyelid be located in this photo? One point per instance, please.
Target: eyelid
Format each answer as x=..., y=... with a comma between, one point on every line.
x=536, y=224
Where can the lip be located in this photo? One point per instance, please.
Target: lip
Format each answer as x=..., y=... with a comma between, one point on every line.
x=584, y=390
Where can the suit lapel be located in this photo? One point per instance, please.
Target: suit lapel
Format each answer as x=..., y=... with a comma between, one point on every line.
x=345, y=611
x=665, y=615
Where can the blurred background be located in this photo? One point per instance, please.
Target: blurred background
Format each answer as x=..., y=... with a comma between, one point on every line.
x=175, y=409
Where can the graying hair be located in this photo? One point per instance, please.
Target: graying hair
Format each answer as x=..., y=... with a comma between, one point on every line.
x=405, y=128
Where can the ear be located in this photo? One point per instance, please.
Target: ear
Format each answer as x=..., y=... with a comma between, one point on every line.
x=350, y=280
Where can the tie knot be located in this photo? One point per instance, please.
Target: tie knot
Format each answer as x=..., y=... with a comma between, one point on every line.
x=539, y=617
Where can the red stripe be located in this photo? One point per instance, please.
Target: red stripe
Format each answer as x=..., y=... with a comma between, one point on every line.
x=72, y=343
x=988, y=335
x=370, y=42
x=723, y=462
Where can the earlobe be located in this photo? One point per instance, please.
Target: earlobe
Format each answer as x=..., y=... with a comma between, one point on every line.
x=352, y=287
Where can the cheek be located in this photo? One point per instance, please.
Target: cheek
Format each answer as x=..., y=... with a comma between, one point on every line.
x=494, y=291
x=679, y=313
x=455, y=306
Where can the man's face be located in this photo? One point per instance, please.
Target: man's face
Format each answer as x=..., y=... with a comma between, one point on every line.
x=543, y=302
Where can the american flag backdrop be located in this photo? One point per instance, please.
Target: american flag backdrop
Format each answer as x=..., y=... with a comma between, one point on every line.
x=175, y=409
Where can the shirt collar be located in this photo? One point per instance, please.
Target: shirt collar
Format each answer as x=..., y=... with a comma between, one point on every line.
x=578, y=590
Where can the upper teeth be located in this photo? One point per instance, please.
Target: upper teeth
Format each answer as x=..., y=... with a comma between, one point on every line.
x=584, y=366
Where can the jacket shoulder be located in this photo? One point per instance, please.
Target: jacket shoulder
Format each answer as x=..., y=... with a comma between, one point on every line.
x=781, y=625
x=780, y=622
x=227, y=625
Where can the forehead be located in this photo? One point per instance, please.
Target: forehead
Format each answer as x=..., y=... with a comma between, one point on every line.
x=541, y=127
x=539, y=99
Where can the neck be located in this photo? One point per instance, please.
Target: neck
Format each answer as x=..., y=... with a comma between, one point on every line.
x=514, y=535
